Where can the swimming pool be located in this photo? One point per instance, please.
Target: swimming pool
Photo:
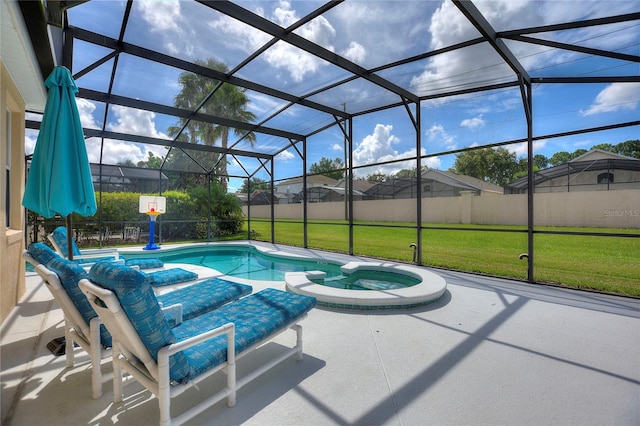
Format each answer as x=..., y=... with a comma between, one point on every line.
x=242, y=261
x=388, y=285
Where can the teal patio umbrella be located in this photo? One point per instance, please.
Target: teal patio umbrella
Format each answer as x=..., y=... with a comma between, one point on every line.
x=59, y=179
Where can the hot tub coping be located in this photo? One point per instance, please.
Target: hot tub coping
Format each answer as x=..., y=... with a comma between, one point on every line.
x=430, y=288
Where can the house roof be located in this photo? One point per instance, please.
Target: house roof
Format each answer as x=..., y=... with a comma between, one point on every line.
x=16, y=54
x=335, y=189
x=393, y=186
x=593, y=160
x=454, y=179
x=359, y=184
x=123, y=172
x=324, y=180
x=599, y=154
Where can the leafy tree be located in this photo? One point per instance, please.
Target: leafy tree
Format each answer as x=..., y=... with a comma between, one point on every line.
x=578, y=152
x=497, y=166
x=523, y=167
x=377, y=177
x=184, y=171
x=540, y=162
x=405, y=173
x=224, y=100
x=630, y=148
x=256, y=183
x=408, y=173
x=330, y=168
x=152, y=162
x=604, y=147
x=563, y=157
x=224, y=208
x=560, y=157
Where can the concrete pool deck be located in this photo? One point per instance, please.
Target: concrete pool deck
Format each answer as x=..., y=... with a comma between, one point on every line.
x=490, y=351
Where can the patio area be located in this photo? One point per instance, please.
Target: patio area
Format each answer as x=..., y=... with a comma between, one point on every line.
x=490, y=351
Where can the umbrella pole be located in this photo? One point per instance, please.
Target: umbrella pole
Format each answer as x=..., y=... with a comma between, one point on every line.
x=69, y=238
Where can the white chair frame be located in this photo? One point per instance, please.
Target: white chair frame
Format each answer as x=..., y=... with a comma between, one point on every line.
x=131, y=355
x=76, y=329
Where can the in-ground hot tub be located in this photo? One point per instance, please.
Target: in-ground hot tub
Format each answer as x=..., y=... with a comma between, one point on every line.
x=429, y=288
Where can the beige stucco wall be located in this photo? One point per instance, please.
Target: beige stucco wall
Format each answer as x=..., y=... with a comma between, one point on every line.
x=12, y=274
x=609, y=209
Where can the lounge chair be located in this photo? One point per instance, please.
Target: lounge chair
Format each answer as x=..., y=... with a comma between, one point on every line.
x=166, y=360
x=131, y=233
x=82, y=324
x=58, y=239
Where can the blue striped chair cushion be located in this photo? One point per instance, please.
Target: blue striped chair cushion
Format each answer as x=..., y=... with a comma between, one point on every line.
x=70, y=273
x=205, y=296
x=42, y=253
x=170, y=276
x=141, y=306
x=60, y=237
x=255, y=317
x=145, y=263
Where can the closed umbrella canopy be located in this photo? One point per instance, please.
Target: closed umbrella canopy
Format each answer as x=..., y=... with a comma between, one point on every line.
x=59, y=178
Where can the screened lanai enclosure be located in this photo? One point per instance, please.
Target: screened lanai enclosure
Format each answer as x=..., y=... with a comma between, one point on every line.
x=441, y=125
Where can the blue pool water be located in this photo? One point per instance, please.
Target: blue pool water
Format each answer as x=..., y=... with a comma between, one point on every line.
x=242, y=262
x=369, y=280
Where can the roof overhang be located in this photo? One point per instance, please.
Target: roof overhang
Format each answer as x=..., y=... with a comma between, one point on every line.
x=25, y=50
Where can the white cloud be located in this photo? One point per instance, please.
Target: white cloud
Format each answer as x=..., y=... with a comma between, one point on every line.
x=135, y=122
x=296, y=62
x=30, y=139
x=521, y=149
x=242, y=37
x=386, y=30
x=85, y=110
x=466, y=66
x=162, y=16
x=284, y=15
x=114, y=151
x=173, y=28
x=337, y=147
x=615, y=97
x=473, y=123
x=480, y=63
x=432, y=162
x=437, y=134
x=262, y=105
x=285, y=156
x=128, y=121
x=355, y=52
x=377, y=146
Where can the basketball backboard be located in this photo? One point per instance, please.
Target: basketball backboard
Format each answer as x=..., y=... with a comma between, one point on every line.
x=152, y=204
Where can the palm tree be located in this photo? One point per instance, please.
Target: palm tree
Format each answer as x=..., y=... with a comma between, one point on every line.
x=228, y=101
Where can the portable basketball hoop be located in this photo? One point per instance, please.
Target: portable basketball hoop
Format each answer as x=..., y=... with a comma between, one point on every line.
x=153, y=207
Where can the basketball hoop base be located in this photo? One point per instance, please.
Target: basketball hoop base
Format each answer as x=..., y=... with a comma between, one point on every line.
x=151, y=246
x=152, y=222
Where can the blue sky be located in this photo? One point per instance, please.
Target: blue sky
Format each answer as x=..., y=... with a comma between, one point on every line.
x=370, y=33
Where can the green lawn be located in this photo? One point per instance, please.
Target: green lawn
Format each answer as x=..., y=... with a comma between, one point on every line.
x=608, y=264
